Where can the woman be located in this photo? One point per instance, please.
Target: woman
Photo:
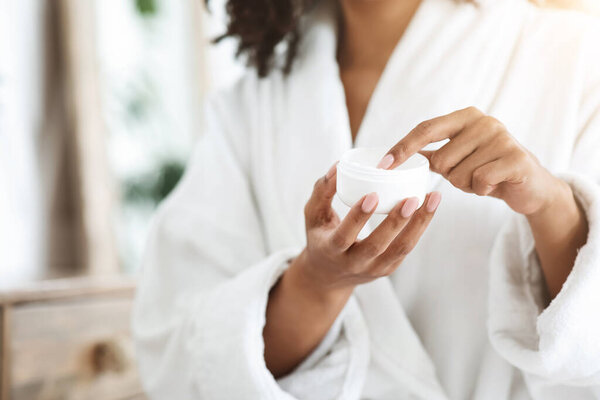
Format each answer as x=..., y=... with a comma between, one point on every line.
x=244, y=296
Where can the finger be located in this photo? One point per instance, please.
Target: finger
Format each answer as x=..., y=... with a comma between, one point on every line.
x=461, y=175
x=386, y=231
x=426, y=132
x=406, y=240
x=347, y=231
x=506, y=169
x=462, y=145
x=318, y=208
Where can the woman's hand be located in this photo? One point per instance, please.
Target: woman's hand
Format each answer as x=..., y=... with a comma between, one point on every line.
x=311, y=293
x=335, y=260
x=482, y=158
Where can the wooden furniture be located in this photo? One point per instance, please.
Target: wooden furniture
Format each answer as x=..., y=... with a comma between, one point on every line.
x=94, y=185
x=68, y=339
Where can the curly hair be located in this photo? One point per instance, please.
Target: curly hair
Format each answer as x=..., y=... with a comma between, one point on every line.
x=260, y=26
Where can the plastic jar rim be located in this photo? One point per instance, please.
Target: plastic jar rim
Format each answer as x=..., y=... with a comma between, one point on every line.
x=358, y=170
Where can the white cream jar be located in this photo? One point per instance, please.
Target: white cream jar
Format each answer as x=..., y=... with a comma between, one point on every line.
x=357, y=176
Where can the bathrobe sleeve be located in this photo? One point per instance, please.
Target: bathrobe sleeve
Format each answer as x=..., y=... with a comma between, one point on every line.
x=200, y=307
x=557, y=347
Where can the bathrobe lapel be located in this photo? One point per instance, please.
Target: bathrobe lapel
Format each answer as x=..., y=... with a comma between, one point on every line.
x=394, y=346
x=422, y=81
x=417, y=84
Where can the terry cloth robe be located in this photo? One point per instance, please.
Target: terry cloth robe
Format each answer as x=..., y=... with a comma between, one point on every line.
x=464, y=315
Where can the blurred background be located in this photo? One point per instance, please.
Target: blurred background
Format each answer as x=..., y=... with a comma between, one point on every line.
x=100, y=104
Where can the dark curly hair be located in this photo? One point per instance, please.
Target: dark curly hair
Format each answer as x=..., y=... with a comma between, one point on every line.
x=260, y=25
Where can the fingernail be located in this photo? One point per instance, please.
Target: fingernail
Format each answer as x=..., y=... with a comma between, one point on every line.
x=386, y=161
x=433, y=202
x=369, y=203
x=409, y=207
x=331, y=171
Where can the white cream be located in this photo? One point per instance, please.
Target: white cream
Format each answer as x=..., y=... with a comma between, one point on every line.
x=357, y=175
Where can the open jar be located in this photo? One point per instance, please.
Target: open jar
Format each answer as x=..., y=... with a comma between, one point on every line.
x=357, y=175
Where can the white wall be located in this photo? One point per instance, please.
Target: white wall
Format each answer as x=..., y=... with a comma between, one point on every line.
x=169, y=49
x=21, y=82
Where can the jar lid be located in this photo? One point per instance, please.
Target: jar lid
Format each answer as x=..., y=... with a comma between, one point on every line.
x=363, y=162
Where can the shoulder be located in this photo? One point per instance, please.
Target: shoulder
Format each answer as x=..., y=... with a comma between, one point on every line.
x=247, y=98
x=561, y=45
x=569, y=43
x=578, y=35
x=570, y=17
x=248, y=102
x=242, y=113
x=562, y=29
x=257, y=99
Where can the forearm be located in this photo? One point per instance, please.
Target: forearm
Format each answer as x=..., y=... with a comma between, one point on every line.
x=298, y=318
x=559, y=231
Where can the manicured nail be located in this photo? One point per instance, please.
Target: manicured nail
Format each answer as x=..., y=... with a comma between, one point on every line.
x=386, y=161
x=331, y=171
x=433, y=202
x=369, y=203
x=409, y=207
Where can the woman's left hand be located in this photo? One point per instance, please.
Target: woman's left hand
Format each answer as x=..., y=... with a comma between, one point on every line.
x=482, y=158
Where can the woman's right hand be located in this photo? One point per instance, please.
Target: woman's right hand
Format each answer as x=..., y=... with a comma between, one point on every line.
x=334, y=261
x=309, y=296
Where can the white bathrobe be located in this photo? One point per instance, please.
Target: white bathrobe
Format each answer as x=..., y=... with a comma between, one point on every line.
x=464, y=316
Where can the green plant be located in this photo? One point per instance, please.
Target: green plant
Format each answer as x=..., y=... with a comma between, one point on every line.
x=156, y=186
x=146, y=8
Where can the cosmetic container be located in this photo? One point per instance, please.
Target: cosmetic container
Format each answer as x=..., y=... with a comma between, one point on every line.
x=357, y=175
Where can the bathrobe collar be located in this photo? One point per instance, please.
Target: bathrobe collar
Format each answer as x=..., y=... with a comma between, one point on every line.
x=418, y=67
x=406, y=94
x=318, y=64
x=410, y=366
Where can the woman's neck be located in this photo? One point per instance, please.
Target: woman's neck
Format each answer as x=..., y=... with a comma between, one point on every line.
x=370, y=30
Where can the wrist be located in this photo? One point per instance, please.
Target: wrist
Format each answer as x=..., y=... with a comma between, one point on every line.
x=310, y=288
x=559, y=200
x=559, y=230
